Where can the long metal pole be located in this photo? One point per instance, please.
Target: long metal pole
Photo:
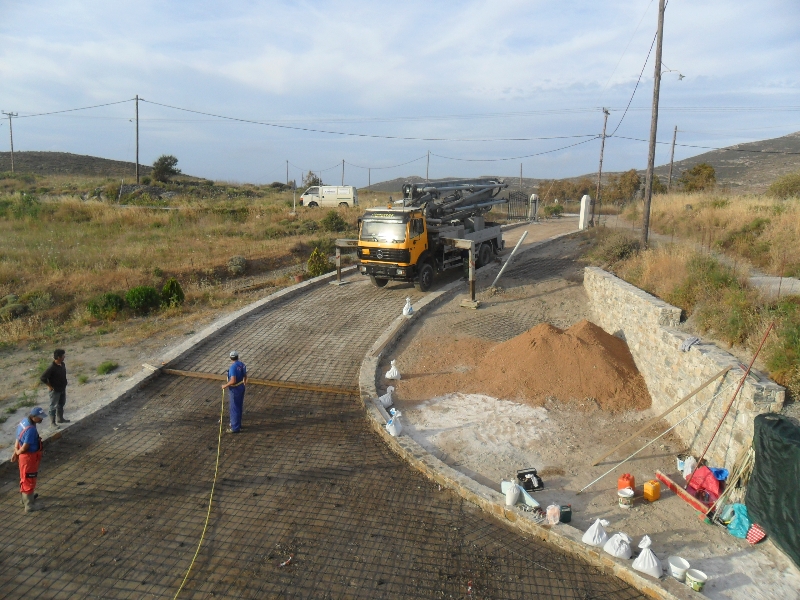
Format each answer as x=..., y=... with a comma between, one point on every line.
x=137, y=139
x=510, y=256
x=342, y=171
x=11, y=134
x=369, y=178
x=427, y=166
x=651, y=155
x=599, y=169
x=520, y=176
x=672, y=158
x=287, y=172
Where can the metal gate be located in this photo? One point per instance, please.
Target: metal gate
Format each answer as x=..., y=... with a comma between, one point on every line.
x=517, y=206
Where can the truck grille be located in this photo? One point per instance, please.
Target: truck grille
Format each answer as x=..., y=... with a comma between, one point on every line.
x=386, y=255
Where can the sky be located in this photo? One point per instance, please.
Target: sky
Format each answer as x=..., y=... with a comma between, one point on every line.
x=483, y=86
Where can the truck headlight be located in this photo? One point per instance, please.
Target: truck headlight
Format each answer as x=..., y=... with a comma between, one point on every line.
x=363, y=269
x=401, y=271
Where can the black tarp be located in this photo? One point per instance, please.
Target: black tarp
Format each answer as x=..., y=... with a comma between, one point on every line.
x=773, y=494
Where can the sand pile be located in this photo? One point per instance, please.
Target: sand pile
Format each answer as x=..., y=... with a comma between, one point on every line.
x=578, y=363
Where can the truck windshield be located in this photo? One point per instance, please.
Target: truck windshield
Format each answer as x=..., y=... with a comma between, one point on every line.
x=382, y=231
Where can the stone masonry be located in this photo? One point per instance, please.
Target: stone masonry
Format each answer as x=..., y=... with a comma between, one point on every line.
x=649, y=326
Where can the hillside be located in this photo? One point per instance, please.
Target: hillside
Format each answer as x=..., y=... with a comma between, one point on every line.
x=64, y=163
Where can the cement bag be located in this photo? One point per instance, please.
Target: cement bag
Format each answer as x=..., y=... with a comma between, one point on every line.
x=512, y=495
x=393, y=373
x=553, y=514
x=394, y=426
x=386, y=399
x=596, y=534
x=647, y=562
x=408, y=310
x=619, y=545
x=689, y=465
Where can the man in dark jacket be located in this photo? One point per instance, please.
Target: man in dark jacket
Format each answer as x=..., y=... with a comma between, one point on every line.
x=55, y=377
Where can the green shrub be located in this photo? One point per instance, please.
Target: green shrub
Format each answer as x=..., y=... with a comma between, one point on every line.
x=105, y=367
x=553, y=210
x=787, y=186
x=146, y=180
x=143, y=298
x=172, y=293
x=616, y=247
x=83, y=379
x=26, y=206
x=333, y=221
x=318, y=264
x=106, y=305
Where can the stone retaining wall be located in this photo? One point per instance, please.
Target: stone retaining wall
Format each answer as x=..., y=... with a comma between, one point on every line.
x=649, y=326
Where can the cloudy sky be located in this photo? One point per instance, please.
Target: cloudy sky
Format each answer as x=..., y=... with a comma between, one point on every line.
x=476, y=76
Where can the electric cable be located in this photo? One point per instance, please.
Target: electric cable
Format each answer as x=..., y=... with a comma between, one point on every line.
x=392, y=167
x=210, y=499
x=636, y=87
x=644, y=14
x=787, y=152
x=515, y=157
x=56, y=112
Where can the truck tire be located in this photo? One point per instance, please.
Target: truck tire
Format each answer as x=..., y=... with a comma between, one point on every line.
x=378, y=282
x=424, y=280
x=343, y=204
x=484, y=255
x=312, y=205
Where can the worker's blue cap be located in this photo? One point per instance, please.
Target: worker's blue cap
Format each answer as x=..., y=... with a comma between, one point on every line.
x=38, y=411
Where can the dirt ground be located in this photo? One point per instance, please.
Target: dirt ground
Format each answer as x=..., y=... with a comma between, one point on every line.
x=489, y=438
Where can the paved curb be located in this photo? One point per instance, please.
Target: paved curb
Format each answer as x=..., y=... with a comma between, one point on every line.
x=134, y=383
x=563, y=536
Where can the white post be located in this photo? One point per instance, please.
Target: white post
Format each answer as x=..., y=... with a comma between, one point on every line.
x=583, y=221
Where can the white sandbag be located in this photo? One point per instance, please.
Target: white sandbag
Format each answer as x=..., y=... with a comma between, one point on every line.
x=647, y=562
x=394, y=426
x=553, y=514
x=408, y=310
x=619, y=545
x=524, y=496
x=393, y=373
x=512, y=495
x=596, y=534
x=689, y=465
x=386, y=399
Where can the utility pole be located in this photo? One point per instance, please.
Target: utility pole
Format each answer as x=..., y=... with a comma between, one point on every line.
x=520, y=176
x=287, y=172
x=11, y=135
x=596, y=199
x=369, y=178
x=137, y=139
x=427, y=166
x=342, y=171
x=651, y=155
x=672, y=158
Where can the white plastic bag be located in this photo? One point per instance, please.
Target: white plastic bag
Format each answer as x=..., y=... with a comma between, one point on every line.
x=393, y=373
x=596, y=534
x=689, y=465
x=647, y=562
x=408, y=310
x=619, y=545
x=512, y=494
x=386, y=399
x=553, y=514
x=394, y=426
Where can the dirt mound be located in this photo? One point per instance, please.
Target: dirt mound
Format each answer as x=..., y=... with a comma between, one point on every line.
x=578, y=363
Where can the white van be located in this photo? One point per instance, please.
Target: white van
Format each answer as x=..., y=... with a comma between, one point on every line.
x=329, y=195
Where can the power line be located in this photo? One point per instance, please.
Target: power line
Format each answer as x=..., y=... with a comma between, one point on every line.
x=594, y=137
x=392, y=167
x=636, y=87
x=56, y=112
x=626, y=47
x=622, y=137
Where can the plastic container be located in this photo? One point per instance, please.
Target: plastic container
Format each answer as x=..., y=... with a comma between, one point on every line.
x=681, y=459
x=625, y=498
x=626, y=480
x=678, y=567
x=696, y=579
x=553, y=514
x=566, y=513
x=652, y=490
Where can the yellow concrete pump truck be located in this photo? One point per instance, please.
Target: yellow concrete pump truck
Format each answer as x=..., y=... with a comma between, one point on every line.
x=405, y=242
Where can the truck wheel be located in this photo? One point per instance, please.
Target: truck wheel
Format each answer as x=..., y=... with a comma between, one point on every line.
x=484, y=255
x=343, y=204
x=379, y=283
x=312, y=205
x=425, y=278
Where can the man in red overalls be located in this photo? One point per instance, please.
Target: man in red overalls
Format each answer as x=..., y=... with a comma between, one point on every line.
x=28, y=452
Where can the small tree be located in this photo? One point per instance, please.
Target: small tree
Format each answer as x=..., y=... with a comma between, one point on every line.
x=166, y=166
x=318, y=264
x=700, y=177
x=143, y=299
x=333, y=221
x=787, y=186
x=172, y=293
x=658, y=187
x=311, y=179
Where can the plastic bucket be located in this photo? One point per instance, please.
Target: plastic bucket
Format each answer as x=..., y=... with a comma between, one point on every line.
x=696, y=579
x=678, y=567
x=625, y=498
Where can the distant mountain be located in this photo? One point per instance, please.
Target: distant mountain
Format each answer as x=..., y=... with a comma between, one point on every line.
x=64, y=163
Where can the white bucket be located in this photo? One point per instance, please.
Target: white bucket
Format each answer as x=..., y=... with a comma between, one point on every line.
x=696, y=579
x=625, y=497
x=678, y=567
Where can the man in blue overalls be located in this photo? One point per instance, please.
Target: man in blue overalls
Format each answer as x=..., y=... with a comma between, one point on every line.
x=28, y=453
x=237, y=380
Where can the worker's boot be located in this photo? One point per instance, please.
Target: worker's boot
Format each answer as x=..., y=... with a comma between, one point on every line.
x=61, y=418
x=31, y=505
x=53, y=423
